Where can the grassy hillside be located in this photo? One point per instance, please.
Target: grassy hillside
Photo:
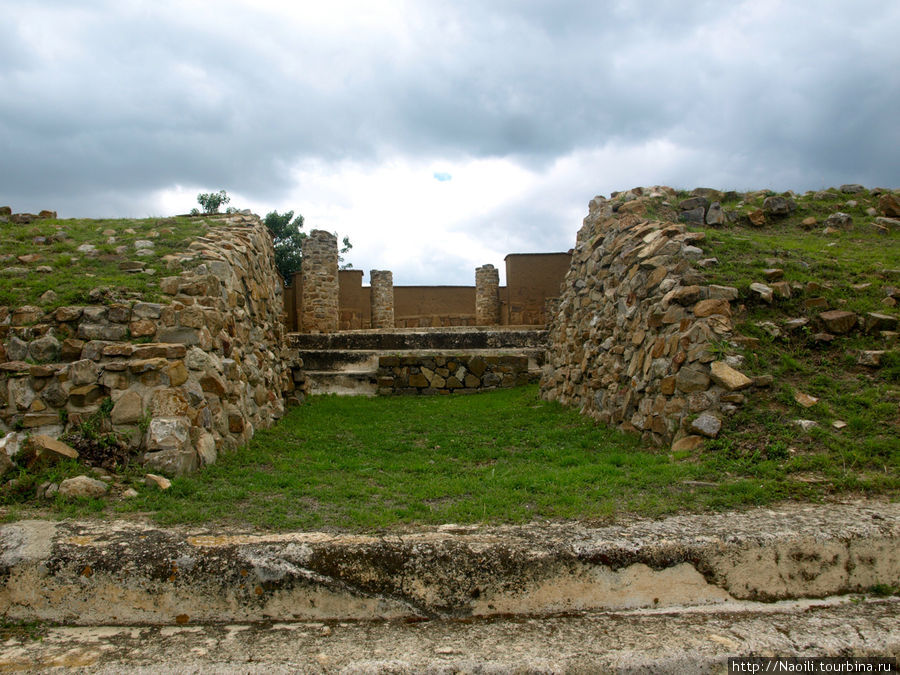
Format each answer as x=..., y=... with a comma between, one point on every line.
x=44, y=255
x=852, y=411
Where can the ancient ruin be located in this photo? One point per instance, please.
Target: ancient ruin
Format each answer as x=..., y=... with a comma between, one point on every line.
x=531, y=279
x=624, y=327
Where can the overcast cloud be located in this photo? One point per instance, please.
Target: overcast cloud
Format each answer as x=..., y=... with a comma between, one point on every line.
x=438, y=135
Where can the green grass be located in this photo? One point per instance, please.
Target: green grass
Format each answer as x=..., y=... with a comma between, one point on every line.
x=502, y=457
x=72, y=274
x=851, y=268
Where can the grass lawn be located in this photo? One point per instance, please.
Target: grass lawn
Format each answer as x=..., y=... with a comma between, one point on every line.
x=500, y=457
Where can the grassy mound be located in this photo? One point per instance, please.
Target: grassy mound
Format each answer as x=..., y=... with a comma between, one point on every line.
x=43, y=255
x=818, y=262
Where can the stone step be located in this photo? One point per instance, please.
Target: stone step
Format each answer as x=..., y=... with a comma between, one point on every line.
x=344, y=383
x=130, y=572
x=340, y=360
x=359, y=360
x=438, y=338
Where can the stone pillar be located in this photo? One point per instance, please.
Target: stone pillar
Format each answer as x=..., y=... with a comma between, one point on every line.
x=320, y=283
x=382, y=282
x=487, y=296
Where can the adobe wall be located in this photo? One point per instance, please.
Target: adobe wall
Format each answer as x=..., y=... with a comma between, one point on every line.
x=532, y=278
x=423, y=306
x=630, y=340
x=355, y=301
x=187, y=377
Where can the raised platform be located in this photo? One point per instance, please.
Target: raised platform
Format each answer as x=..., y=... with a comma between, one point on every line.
x=462, y=337
x=346, y=363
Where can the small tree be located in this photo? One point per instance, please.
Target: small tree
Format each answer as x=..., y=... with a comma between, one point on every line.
x=288, y=240
x=344, y=249
x=287, y=236
x=211, y=201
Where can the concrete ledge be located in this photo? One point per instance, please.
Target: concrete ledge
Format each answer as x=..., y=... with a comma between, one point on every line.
x=637, y=641
x=469, y=338
x=131, y=573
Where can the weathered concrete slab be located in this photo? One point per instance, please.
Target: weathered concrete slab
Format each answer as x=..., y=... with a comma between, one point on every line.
x=97, y=573
x=638, y=641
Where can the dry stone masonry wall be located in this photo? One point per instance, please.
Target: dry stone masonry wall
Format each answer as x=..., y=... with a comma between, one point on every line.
x=449, y=373
x=185, y=378
x=321, y=290
x=631, y=339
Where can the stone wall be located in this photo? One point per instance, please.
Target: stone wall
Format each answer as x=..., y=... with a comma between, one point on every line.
x=185, y=378
x=631, y=336
x=449, y=373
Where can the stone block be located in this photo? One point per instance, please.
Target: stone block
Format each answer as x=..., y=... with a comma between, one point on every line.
x=159, y=350
x=177, y=373
x=66, y=314
x=727, y=377
x=712, y=306
x=71, y=349
x=691, y=379
x=179, y=335
x=838, y=321
x=83, y=372
x=213, y=384
x=687, y=444
x=146, y=310
x=83, y=487
x=706, y=425
x=142, y=328
x=43, y=451
x=128, y=409
x=169, y=402
x=153, y=480
x=876, y=322
x=169, y=447
x=99, y=331
x=16, y=349
x=45, y=349
x=206, y=448
x=40, y=419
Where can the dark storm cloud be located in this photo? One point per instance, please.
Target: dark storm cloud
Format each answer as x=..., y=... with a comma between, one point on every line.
x=104, y=102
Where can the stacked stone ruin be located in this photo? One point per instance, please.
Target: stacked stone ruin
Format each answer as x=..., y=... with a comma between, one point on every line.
x=631, y=338
x=207, y=370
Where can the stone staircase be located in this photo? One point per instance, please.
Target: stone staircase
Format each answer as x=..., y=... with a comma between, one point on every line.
x=346, y=363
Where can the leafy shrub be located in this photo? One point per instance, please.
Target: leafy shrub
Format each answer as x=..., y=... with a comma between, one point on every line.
x=211, y=201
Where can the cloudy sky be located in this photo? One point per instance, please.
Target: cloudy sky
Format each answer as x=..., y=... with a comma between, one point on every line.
x=438, y=135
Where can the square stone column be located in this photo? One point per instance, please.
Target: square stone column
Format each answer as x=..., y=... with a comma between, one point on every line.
x=487, y=296
x=321, y=292
x=382, y=282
